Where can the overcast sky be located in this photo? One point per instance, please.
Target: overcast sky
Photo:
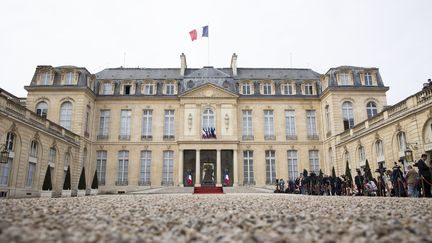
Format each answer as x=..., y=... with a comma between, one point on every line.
x=395, y=36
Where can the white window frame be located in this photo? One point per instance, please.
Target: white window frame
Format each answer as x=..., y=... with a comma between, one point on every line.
x=42, y=109
x=248, y=171
x=45, y=78
x=344, y=79
x=268, y=123
x=125, y=123
x=314, y=161
x=170, y=89
x=311, y=123
x=328, y=118
x=168, y=167
x=348, y=113
x=123, y=167
x=267, y=88
x=66, y=110
x=270, y=159
x=246, y=88
x=292, y=165
x=208, y=119
x=368, y=79
x=104, y=121
x=147, y=123
x=145, y=166
x=247, y=123
x=169, y=123
x=290, y=123
x=69, y=78
x=371, y=109
x=107, y=88
x=148, y=89
x=101, y=161
x=308, y=88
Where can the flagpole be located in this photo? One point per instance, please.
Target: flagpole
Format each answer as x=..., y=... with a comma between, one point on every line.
x=208, y=44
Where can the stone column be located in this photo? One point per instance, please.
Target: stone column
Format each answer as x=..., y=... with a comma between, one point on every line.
x=235, y=182
x=197, y=168
x=180, y=174
x=218, y=168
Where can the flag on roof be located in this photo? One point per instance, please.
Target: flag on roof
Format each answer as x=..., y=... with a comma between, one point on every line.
x=199, y=32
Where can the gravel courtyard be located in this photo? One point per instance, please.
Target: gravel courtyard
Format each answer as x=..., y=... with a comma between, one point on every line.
x=236, y=217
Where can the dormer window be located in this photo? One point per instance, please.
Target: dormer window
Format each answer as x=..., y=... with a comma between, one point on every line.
x=267, y=89
x=148, y=89
x=287, y=89
x=344, y=79
x=107, y=89
x=45, y=78
x=170, y=88
x=246, y=88
x=69, y=78
x=368, y=79
x=127, y=89
x=308, y=88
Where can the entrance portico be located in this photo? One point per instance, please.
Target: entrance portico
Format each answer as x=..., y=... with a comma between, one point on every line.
x=207, y=166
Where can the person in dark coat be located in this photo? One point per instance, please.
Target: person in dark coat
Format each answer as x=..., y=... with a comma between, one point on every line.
x=398, y=181
x=424, y=172
x=359, y=181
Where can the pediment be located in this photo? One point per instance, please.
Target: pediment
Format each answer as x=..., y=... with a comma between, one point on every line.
x=208, y=90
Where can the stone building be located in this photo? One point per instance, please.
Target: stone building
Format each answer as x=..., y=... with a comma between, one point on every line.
x=142, y=127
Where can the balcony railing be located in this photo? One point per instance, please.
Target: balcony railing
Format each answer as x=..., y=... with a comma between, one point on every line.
x=144, y=183
x=121, y=183
x=168, y=137
x=291, y=137
x=269, y=137
x=247, y=137
x=313, y=137
x=124, y=137
x=146, y=137
x=102, y=137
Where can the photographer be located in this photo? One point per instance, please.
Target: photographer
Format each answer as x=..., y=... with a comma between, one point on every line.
x=425, y=174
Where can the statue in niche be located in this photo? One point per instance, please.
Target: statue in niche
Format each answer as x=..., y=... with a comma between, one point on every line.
x=208, y=175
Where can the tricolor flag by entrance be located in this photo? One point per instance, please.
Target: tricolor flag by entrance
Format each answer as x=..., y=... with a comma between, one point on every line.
x=227, y=180
x=189, y=179
x=200, y=32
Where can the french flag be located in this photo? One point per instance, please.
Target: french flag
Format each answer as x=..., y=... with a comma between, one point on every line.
x=189, y=179
x=200, y=32
x=227, y=180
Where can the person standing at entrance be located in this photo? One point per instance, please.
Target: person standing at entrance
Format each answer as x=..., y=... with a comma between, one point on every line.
x=425, y=174
x=412, y=181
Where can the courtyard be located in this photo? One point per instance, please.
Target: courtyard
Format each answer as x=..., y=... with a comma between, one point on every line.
x=170, y=216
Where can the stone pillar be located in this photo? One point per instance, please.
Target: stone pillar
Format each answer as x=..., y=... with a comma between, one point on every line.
x=180, y=174
x=218, y=168
x=197, y=168
x=235, y=182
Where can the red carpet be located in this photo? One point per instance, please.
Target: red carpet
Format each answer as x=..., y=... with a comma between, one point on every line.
x=208, y=190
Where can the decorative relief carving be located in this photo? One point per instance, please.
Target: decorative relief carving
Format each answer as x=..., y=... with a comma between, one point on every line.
x=398, y=127
x=13, y=127
x=190, y=121
x=226, y=121
x=36, y=136
x=377, y=136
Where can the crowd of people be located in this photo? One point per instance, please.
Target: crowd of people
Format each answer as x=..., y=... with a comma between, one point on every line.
x=393, y=182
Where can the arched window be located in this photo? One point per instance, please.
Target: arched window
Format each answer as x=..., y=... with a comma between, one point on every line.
x=208, y=119
x=371, y=109
x=34, y=149
x=402, y=141
x=32, y=163
x=348, y=115
x=5, y=168
x=379, y=150
x=66, y=165
x=330, y=157
x=66, y=115
x=42, y=109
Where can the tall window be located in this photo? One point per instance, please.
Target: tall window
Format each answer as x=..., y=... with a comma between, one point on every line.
x=5, y=168
x=247, y=123
x=308, y=89
x=343, y=79
x=125, y=124
x=292, y=165
x=148, y=89
x=167, y=170
x=107, y=88
x=66, y=165
x=311, y=123
x=314, y=161
x=330, y=156
x=169, y=88
x=87, y=121
x=66, y=115
x=268, y=124
x=104, y=120
x=45, y=78
x=32, y=163
x=348, y=115
x=379, y=150
x=52, y=160
x=147, y=124
x=42, y=109
x=270, y=167
x=208, y=119
x=368, y=79
x=402, y=141
x=69, y=77
x=288, y=90
x=327, y=118
x=246, y=88
x=361, y=153
x=371, y=109
x=145, y=169
x=267, y=89
x=101, y=159
x=248, y=171
x=290, y=124
x=169, y=124
x=122, y=178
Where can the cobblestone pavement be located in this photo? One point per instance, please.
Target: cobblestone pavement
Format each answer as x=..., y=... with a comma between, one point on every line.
x=235, y=217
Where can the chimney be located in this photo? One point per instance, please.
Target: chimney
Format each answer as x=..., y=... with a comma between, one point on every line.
x=183, y=64
x=234, y=64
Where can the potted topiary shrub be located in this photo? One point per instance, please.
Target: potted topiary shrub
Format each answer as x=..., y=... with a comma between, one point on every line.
x=82, y=184
x=66, y=192
x=94, y=185
x=47, y=184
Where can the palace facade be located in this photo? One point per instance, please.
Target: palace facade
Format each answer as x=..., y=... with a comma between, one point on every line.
x=151, y=127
